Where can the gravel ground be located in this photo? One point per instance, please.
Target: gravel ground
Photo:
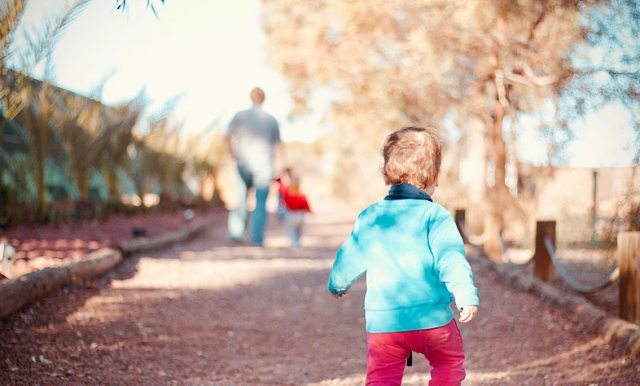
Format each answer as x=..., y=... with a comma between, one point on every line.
x=211, y=313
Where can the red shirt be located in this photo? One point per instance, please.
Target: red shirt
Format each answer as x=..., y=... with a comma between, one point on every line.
x=294, y=202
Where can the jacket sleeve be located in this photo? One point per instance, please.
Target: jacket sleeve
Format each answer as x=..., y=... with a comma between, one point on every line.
x=348, y=265
x=452, y=266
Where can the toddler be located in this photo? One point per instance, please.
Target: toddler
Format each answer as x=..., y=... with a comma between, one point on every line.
x=296, y=207
x=415, y=265
x=283, y=180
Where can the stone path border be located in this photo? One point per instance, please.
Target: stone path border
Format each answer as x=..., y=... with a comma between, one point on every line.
x=21, y=291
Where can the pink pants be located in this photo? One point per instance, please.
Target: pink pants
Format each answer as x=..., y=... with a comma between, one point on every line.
x=442, y=346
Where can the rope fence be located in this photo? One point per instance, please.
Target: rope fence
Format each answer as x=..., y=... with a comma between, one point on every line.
x=546, y=262
x=582, y=288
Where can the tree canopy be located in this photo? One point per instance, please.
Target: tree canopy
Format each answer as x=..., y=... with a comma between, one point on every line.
x=607, y=63
x=57, y=145
x=468, y=64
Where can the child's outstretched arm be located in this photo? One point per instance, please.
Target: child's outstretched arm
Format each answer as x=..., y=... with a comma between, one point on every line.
x=451, y=264
x=347, y=267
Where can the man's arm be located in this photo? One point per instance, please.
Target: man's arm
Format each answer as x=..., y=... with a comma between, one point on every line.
x=229, y=144
x=278, y=149
x=280, y=160
x=231, y=129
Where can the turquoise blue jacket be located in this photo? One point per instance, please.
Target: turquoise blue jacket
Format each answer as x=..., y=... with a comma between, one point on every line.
x=415, y=265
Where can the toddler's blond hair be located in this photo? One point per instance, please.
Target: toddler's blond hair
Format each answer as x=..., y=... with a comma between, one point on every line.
x=412, y=155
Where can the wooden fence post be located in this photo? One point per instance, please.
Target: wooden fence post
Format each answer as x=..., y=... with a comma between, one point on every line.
x=460, y=223
x=543, y=267
x=628, y=250
x=493, y=245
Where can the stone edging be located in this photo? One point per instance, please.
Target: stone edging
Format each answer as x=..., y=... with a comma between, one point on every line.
x=623, y=336
x=162, y=241
x=21, y=291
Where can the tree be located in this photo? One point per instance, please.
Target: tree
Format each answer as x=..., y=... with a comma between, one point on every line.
x=21, y=94
x=206, y=153
x=46, y=130
x=608, y=72
x=432, y=61
x=607, y=64
x=117, y=140
x=157, y=164
x=94, y=139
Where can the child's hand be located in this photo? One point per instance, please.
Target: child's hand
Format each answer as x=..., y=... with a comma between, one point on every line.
x=338, y=296
x=468, y=313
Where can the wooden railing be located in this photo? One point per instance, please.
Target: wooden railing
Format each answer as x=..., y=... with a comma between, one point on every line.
x=546, y=263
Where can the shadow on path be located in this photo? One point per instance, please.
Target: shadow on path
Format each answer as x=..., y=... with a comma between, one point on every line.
x=211, y=313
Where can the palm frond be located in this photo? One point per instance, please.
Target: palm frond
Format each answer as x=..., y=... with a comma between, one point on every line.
x=159, y=118
x=65, y=181
x=18, y=172
x=41, y=42
x=97, y=89
x=10, y=14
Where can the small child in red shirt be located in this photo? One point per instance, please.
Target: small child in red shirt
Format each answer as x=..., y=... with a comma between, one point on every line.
x=296, y=206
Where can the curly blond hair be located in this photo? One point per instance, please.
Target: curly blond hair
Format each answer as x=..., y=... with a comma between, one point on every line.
x=412, y=155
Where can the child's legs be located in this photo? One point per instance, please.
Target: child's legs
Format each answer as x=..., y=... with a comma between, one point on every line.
x=443, y=349
x=294, y=221
x=386, y=358
x=299, y=225
x=282, y=209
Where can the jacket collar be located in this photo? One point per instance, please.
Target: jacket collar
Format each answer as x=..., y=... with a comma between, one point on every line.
x=406, y=191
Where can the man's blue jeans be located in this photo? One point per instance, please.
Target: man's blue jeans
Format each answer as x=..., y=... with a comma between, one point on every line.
x=247, y=178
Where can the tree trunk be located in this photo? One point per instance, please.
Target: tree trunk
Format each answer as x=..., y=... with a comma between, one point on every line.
x=18, y=292
x=3, y=124
x=83, y=184
x=493, y=245
x=113, y=183
x=42, y=150
x=499, y=149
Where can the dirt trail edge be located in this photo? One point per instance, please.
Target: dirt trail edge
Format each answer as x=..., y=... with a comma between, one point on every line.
x=211, y=313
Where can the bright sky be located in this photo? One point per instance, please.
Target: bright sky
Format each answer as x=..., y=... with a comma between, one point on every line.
x=213, y=52
x=210, y=52
x=603, y=139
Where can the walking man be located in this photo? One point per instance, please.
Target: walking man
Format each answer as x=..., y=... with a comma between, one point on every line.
x=254, y=141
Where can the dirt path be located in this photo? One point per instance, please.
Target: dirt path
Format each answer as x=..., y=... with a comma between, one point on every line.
x=210, y=313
